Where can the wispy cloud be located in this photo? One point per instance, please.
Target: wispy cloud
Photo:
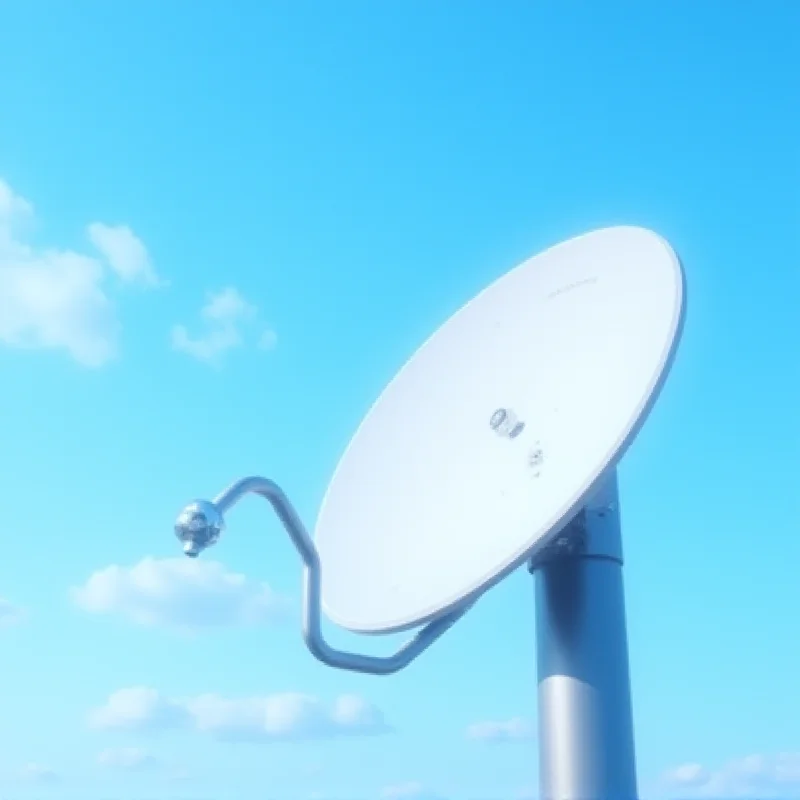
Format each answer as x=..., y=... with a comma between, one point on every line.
x=141, y=709
x=124, y=252
x=228, y=322
x=181, y=594
x=761, y=776
x=277, y=716
x=128, y=759
x=61, y=299
x=500, y=731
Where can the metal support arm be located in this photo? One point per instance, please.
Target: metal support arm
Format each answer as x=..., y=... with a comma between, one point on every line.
x=200, y=525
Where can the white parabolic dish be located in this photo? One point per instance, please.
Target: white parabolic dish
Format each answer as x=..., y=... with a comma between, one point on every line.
x=430, y=504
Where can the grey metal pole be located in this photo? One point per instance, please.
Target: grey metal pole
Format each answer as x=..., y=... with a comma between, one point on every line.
x=586, y=743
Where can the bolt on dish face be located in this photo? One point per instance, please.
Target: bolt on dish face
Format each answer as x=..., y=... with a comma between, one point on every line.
x=199, y=526
x=505, y=423
x=536, y=459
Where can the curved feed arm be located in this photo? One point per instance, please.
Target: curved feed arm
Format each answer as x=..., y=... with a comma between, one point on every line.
x=200, y=525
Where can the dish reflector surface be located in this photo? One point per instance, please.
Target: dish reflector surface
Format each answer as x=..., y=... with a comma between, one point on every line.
x=488, y=440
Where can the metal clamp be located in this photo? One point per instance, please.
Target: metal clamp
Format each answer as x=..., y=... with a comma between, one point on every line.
x=594, y=532
x=200, y=525
x=571, y=542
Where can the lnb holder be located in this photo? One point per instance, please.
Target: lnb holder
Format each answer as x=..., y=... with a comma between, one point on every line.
x=200, y=525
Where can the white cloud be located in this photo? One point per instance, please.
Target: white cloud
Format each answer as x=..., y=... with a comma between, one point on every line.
x=284, y=716
x=124, y=252
x=228, y=319
x=14, y=210
x=350, y=711
x=411, y=790
x=516, y=728
x=36, y=773
x=10, y=614
x=139, y=709
x=762, y=776
x=131, y=759
x=61, y=299
x=179, y=593
x=687, y=775
x=276, y=716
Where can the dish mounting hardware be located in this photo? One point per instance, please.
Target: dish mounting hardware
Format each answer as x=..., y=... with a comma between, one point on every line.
x=200, y=524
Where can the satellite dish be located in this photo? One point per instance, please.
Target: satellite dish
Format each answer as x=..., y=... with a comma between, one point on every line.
x=496, y=445
x=490, y=438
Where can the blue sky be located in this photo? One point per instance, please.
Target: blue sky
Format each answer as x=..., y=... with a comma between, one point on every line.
x=223, y=227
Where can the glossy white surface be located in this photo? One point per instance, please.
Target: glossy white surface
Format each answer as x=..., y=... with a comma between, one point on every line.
x=429, y=505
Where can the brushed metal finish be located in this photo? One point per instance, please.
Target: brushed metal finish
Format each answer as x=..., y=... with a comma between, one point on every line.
x=586, y=738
